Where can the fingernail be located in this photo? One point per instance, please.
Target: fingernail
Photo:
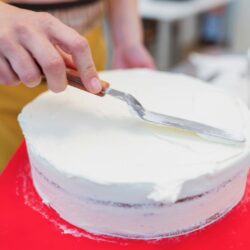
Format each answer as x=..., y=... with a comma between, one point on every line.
x=95, y=85
x=34, y=83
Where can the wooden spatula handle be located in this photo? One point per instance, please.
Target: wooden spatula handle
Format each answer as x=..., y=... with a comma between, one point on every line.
x=75, y=81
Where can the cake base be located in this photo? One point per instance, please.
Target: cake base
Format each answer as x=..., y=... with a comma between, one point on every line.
x=139, y=221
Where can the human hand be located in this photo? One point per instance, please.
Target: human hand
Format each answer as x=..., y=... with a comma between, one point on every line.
x=135, y=56
x=34, y=44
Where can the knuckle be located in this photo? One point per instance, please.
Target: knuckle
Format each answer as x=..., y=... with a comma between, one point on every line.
x=22, y=30
x=80, y=43
x=46, y=19
x=6, y=43
x=90, y=71
x=54, y=64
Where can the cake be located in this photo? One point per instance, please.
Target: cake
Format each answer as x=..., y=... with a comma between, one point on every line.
x=106, y=171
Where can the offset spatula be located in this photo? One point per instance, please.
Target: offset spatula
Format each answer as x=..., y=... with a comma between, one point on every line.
x=153, y=117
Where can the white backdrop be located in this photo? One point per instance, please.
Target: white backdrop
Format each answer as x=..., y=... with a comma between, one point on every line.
x=241, y=27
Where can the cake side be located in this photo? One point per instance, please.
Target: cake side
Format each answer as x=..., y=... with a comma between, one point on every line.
x=106, y=171
x=144, y=221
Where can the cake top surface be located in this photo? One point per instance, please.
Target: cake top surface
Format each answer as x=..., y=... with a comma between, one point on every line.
x=98, y=139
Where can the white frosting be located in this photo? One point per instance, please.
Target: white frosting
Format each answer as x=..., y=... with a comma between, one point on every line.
x=94, y=147
x=146, y=222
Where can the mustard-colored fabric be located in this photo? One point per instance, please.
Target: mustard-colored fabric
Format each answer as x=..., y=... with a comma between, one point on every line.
x=12, y=100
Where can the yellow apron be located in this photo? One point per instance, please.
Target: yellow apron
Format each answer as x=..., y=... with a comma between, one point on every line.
x=12, y=100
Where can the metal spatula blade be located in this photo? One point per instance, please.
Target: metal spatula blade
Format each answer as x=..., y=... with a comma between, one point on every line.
x=193, y=126
x=176, y=122
x=153, y=117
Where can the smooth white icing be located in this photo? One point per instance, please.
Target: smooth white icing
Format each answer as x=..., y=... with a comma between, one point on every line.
x=146, y=222
x=94, y=147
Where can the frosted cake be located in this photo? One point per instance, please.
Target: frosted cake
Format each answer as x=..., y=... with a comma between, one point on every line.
x=107, y=172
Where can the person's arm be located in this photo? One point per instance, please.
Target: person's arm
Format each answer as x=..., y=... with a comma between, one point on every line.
x=29, y=43
x=127, y=35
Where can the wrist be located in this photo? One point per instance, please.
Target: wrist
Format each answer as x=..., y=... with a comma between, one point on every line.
x=127, y=39
x=127, y=45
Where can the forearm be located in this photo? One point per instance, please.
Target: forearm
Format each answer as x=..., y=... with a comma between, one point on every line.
x=124, y=22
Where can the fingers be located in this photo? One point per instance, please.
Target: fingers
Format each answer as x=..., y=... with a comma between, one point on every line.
x=29, y=49
x=22, y=64
x=67, y=58
x=7, y=76
x=78, y=47
x=49, y=60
